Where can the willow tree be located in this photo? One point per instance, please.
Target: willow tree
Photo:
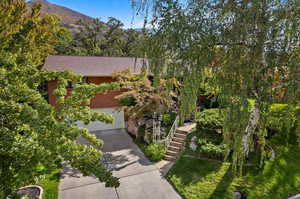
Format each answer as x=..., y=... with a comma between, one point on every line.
x=34, y=134
x=251, y=47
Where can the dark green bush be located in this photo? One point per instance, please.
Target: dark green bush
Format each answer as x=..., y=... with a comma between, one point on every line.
x=210, y=150
x=168, y=118
x=127, y=101
x=155, y=152
x=210, y=118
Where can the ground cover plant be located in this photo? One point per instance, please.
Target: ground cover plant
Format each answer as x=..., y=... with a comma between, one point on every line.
x=50, y=183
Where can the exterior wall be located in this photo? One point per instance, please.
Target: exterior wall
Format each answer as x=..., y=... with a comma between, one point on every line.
x=99, y=101
x=51, y=87
x=104, y=100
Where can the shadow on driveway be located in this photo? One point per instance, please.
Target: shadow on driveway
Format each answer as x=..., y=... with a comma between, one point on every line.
x=139, y=178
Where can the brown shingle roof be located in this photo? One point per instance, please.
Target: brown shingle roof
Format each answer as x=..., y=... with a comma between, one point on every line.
x=94, y=66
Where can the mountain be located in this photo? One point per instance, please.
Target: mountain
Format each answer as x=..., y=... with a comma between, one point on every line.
x=67, y=15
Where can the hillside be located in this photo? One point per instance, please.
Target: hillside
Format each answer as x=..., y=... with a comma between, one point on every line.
x=68, y=16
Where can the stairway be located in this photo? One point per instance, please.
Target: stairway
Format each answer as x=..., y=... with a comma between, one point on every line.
x=177, y=143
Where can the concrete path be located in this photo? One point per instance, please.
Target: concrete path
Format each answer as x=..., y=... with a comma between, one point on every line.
x=139, y=178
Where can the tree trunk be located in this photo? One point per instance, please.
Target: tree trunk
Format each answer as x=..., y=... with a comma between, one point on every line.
x=251, y=127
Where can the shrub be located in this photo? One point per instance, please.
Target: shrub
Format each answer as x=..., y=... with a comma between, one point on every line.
x=155, y=152
x=210, y=118
x=127, y=101
x=281, y=122
x=168, y=118
x=280, y=116
x=211, y=150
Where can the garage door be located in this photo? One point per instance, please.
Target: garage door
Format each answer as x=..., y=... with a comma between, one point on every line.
x=100, y=126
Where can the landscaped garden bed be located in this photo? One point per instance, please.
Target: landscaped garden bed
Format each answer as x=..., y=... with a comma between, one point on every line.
x=154, y=152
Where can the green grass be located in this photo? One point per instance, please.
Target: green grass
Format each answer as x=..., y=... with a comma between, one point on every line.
x=279, y=179
x=201, y=179
x=50, y=185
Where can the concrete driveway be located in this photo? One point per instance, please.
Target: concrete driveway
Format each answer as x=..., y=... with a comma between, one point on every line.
x=139, y=178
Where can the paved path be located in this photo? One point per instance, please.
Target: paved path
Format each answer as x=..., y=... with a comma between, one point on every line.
x=139, y=178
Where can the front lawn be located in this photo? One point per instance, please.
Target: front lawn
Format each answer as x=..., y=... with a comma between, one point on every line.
x=279, y=179
x=202, y=179
x=50, y=184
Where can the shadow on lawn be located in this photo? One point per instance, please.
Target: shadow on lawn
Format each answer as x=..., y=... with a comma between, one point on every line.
x=279, y=178
x=194, y=170
x=224, y=184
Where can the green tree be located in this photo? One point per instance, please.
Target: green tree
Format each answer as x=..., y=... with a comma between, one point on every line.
x=252, y=48
x=34, y=134
x=141, y=98
x=90, y=38
x=101, y=39
x=133, y=45
x=114, y=38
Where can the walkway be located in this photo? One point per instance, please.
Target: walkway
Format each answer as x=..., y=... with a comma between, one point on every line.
x=139, y=178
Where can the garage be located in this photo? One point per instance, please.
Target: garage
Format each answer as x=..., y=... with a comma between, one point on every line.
x=100, y=126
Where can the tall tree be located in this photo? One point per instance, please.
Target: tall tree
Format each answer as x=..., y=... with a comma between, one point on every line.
x=32, y=132
x=249, y=45
x=101, y=39
x=114, y=38
x=90, y=38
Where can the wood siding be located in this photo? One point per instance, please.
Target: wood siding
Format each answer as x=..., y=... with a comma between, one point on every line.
x=99, y=101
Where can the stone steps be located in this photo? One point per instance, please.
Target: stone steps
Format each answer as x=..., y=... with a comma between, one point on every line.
x=174, y=148
x=177, y=143
x=170, y=158
x=180, y=135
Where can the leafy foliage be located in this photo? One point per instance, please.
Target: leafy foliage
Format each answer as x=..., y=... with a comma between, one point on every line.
x=210, y=149
x=33, y=133
x=251, y=47
x=147, y=99
x=168, y=118
x=50, y=183
x=127, y=101
x=281, y=117
x=155, y=152
x=102, y=39
x=211, y=118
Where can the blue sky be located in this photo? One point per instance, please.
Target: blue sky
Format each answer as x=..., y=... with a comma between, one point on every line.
x=120, y=9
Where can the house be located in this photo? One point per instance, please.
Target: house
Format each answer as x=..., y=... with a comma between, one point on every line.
x=96, y=70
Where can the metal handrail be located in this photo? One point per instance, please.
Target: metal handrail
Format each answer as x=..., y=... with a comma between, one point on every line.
x=172, y=131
